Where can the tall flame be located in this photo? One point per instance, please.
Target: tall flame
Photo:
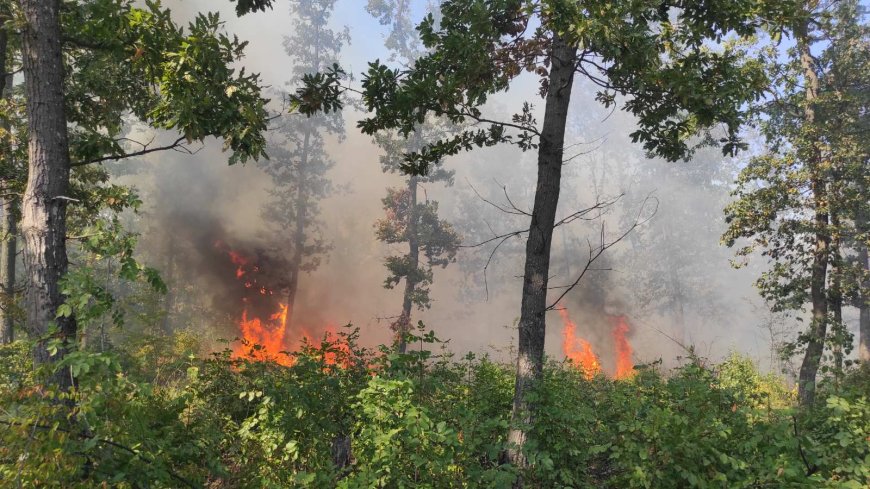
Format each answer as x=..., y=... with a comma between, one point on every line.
x=624, y=363
x=268, y=339
x=577, y=349
x=264, y=341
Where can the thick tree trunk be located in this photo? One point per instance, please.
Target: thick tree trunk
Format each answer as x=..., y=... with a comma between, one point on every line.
x=299, y=233
x=43, y=221
x=404, y=323
x=818, y=293
x=532, y=327
x=8, y=206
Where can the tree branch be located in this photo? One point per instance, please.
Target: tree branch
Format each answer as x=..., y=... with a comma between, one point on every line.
x=604, y=245
x=176, y=146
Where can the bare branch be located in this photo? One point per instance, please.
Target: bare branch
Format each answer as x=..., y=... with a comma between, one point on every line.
x=514, y=210
x=603, y=245
x=146, y=149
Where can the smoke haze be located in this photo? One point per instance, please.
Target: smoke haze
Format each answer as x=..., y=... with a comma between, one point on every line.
x=670, y=277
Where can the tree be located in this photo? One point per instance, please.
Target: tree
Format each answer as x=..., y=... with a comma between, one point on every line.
x=298, y=163
x=86, y=65
x=11, y=146
x=407, y=220
x=799, y=200
x=657, y=54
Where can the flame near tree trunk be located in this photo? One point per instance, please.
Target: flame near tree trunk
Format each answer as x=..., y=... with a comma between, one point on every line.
x=264, y=340
x=265, y=336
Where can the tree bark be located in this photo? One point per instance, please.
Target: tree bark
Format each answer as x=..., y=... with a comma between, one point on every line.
x=43, y=221
x=532, y=326
x=299, y=233
x=404, y=323
x=818, y=293
x=8, y=206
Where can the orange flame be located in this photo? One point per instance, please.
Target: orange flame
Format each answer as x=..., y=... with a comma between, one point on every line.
x=578, y=350
x=264, y=341
x=624, y=364
x=267, y=340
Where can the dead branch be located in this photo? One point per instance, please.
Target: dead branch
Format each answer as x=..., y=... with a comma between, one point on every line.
x=177, y=145
x=595, y=252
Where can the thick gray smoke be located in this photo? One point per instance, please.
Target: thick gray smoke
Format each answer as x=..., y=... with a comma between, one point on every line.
x=669, y=276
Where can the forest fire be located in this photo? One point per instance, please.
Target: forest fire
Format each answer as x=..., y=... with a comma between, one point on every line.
x=578, y=350
x=581, y=354
x=263, y=323
x=624, y=364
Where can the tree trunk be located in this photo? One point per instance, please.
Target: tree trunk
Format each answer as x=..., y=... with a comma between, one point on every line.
x=863, y=227
x=818, y=294
x=404, y=323
x=43, y=221
x=864, y=307
x=169, y=310
x=8, y=206
x=299, y=233
x=835, y=294
x=532, y=326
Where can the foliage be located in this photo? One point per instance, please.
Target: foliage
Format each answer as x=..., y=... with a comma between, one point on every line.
x=151, y=411
x=799, y=201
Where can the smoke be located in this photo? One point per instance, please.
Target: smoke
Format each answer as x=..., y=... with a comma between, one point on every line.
x=669, y=277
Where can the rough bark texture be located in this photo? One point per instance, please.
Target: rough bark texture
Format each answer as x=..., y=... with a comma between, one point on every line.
x=818, y=294
x=43, y=221
x=404, y=322
x=532, y=326
x=299, y=233
x=8, y=206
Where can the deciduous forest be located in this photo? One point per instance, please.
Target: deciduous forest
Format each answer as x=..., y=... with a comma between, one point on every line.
x=434, y=244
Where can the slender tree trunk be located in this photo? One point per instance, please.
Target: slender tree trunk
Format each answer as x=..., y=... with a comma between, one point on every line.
x=166, y=324
x=404, y=323
x=863, y=226
x=8, y=206
x=864, y=307
x=532, y=326
x=818, y=294
x=43, y=221
x=299, y=233
x=835, y=295
x=8, y=252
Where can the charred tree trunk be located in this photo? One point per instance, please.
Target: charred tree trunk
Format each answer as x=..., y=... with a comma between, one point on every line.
x=299, y=233
x=532, y=326
x=43, y=221
x=8, y=206
x=818, y=329
x=411, y=280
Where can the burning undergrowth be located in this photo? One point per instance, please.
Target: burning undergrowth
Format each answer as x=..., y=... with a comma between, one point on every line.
x=265, y=333
x=582, y=354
